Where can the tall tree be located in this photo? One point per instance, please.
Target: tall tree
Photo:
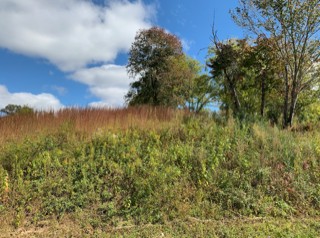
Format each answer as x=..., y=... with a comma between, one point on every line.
x=227, y=71
x=262, y=60
x=177, y=80
x=246, y=77
x=184, y=86
x=148, y=62
x=294, y=25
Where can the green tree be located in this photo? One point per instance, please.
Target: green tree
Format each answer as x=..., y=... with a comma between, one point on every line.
x=226, y=68
x=201, y=93
x=176, y=80
x=12, y=109
x=294, y=25
x=246, y=77
x=263, y=62
x=183, y=85
x=148, y=62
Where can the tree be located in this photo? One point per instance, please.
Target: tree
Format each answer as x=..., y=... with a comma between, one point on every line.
x=176, y=80
x=12, y=109
x=148, y=62
x=183, y=85
x=262, y=60
x=201, y=93
x=294, y=26
x=227, y=72
x=245, y=76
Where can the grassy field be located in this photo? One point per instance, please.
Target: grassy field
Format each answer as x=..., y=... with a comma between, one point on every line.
x=156, y=172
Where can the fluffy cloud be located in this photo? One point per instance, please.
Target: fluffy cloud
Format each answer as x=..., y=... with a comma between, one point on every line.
x=71, y=33
x=40, y=101
x=112, y=97
x=108, y=82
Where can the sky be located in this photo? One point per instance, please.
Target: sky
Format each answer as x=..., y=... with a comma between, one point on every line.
x=73, y=53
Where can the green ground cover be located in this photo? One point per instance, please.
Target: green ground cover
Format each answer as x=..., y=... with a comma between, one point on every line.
x=198, y=179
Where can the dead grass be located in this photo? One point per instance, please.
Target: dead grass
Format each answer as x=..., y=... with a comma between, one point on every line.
x=237, y=227
x=86, y=120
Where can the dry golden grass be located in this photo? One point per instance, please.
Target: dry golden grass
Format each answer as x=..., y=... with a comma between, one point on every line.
x=86, y=120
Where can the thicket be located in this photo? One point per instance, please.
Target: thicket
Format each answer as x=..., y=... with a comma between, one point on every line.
x=197, y=168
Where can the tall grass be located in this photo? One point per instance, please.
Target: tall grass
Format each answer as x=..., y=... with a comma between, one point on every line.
x=138, y=166
x=85, y=120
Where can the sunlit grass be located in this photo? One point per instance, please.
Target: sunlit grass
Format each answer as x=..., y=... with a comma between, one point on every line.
x=138, y=170
x=86, y=120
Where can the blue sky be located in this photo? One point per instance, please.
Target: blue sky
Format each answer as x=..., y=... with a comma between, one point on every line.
x=62, y=53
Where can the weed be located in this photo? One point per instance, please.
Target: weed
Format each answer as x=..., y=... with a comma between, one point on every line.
x=154, y=166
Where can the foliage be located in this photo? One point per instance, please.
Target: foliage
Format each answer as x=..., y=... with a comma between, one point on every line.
x=227, y=70
x=184, y=86
x=177, y=80
x=16, y=109
x=246, y=79
x=199, y=170
x=201, y=93
x=148, y=58
x=294, y=29
x=164, y=75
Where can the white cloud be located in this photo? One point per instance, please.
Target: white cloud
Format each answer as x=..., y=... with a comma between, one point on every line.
x=40, y=101
x=108, y=82
x=186, y=44
x=111, y=97
x=71, y=33
x=60, y=90
x=100, y=104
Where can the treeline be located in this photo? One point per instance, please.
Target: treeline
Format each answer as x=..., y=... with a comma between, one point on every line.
x=272, y=75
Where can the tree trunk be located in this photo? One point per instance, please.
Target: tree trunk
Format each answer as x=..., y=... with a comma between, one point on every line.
x=236, y=101
x=294, y=98
x=286, y=100
x=234, y=94
x=263, y=94
x=292, y=109
x=155, y=89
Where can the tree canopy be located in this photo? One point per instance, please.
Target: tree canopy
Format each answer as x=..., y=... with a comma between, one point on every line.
x=12, y=109
x=273, y=73
x=164, y=74
x=245, y=77
x=293, y=26
x=148, y=61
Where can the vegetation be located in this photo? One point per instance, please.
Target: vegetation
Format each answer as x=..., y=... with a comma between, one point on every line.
x=12, y=109
x=173, y=169
x=165, y=75
x=184, y=175
x=246, y=76
x=294, y=29
x=86, y=121
x=148, y=59
x=274, y=75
